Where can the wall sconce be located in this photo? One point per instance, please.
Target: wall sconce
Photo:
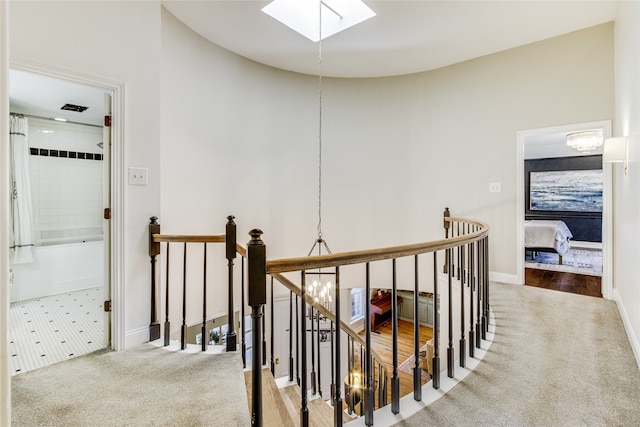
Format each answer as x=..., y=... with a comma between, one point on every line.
x=616, y=150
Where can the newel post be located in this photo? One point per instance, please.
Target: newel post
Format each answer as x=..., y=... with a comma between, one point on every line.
x=257, y=277
x=447, y=225
x=230, y=241
x=154, y=250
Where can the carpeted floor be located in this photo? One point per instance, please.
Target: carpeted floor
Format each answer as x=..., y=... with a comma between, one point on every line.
x=147, y=386
x=557, y=359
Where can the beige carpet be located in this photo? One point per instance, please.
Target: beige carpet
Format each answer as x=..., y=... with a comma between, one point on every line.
x=147, y=386
x=557, y=359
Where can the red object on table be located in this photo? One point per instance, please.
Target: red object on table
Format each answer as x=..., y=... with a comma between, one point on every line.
x=380, y=306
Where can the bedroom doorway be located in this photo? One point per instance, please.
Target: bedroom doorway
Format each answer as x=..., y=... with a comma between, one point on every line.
x=543, y=154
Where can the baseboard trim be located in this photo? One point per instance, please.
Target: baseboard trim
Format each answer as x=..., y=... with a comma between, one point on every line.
x=136, y=337
x=633, y=338
x=510, y=279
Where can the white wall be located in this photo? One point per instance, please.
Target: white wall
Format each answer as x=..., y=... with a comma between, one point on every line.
x=117, y=42
x=626, y=218
x=243, y=140
x=229, y=123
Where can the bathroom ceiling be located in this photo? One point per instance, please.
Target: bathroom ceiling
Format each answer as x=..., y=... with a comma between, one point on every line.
x=404, y=37
x=44, y=96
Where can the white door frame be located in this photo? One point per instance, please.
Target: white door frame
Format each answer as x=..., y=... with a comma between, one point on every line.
x=116, y=239
x=5, y=376
x=106, y=204
x=607, y=202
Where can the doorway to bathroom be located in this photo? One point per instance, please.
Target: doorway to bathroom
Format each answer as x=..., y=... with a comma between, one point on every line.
x=60, y=240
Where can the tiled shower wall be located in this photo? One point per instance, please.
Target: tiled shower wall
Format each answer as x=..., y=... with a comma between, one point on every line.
x=66, y=179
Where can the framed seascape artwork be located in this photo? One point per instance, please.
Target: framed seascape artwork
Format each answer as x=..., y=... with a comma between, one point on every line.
x=573, y=190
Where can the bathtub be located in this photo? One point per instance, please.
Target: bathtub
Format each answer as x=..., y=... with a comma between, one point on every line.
x=58, y=269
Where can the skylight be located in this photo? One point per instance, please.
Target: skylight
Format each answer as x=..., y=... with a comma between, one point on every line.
x=303, y=15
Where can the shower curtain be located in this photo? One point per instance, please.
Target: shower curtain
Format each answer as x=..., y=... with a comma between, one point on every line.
x=21, y=229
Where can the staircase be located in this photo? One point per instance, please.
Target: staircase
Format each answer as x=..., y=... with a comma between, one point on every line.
x=459, y=261
x=275, y=413
x=281, y=406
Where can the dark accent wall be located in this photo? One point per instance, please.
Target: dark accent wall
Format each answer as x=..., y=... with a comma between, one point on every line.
x=585, y=226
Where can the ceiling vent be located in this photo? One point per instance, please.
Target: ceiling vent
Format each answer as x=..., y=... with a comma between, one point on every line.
x=71, y=107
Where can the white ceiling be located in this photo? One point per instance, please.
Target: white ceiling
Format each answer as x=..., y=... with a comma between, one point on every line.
x=554, y=144
x=404, y=37
x=43, y=96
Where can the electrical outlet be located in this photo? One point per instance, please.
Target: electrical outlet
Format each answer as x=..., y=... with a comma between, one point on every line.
x=138, y=176
x=494, y=187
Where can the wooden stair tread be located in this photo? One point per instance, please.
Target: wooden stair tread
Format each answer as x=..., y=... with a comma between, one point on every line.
x=274, y=409
x=291, y=397
x=320, y=414
x=281, y=406
x=323, y=411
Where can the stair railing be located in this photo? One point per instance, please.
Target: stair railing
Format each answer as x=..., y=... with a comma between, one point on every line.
x=188, y=285
x=466, y=262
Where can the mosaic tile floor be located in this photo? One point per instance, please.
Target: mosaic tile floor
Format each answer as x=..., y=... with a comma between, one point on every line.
x=44, y=331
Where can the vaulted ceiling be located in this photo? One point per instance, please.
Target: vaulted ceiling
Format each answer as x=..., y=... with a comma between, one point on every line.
x=404, y=37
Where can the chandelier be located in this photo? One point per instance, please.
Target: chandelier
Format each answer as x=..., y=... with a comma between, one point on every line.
x=322, y=281
x=585, y=141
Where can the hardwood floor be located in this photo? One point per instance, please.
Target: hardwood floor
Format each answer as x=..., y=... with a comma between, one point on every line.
x=565, y=282
x=382, y=344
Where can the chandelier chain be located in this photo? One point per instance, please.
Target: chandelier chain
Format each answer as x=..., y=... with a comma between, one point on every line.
x=320, y=289
x=320, y=121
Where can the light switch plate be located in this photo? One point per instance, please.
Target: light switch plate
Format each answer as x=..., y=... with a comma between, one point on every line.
x=494, y=187
x=138, y=176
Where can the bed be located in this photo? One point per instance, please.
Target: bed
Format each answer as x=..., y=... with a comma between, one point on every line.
x=547, y=236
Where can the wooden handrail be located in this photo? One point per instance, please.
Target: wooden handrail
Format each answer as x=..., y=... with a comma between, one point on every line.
x=275, y=267
x=242, y=251
x=345, y=258
x=358, y=257
x=186, y=238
